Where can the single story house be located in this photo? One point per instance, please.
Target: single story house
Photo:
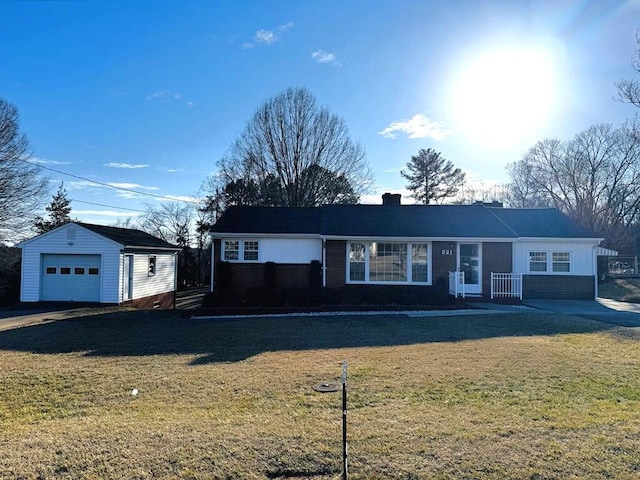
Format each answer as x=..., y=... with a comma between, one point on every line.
x=473, y=250
x=80, y=262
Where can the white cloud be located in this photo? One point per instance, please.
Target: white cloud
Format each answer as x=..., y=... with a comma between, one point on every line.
x=44, y=161
x=417, y=126
x=175, y=170
x=131, y=186
x=125, y=165
x=321, y=56
x=164, y=96
x=265, y=36
x=88, y=145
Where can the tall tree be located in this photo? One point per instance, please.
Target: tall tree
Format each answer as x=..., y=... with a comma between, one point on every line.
x=295, y=153
x=629, y=90
x=592, y=177
x=432, y=177
x=22, y=189
x=58, y=212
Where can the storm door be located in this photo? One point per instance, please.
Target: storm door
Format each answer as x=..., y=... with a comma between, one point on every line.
x=470, y=262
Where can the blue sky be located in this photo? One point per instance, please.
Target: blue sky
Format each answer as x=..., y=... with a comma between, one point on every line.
x=148, y=95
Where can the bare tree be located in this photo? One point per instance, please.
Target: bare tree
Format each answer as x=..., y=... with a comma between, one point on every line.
x=593, y=178
x=432, y=177
x=171, y=222
x=22, y=189
x=293, y=152
x=629, y=90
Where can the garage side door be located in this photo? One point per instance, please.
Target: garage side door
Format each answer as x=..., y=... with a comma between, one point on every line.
x=67, y=278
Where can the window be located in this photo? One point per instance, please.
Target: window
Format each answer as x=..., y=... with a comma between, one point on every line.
x=231, y=250
x=552, y=262
x=388, y=262
x=419, y=253
x=51, y=270
x=152, y=265
x=78, y=271
x=94, y=271
x=65, y=270
x=250, y=251
x=561, y=262
x=241, y=250
x=538, y=261
x=357, y=253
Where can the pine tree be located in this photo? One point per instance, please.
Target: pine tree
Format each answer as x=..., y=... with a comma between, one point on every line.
x=431, y=177
x=58, y=212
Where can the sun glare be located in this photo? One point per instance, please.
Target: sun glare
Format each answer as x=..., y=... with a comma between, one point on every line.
x=504, y=96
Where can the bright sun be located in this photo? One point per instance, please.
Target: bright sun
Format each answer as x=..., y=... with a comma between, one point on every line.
x=504, y=96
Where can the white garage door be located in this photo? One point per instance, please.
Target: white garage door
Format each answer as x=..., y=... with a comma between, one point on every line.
x=67, y=278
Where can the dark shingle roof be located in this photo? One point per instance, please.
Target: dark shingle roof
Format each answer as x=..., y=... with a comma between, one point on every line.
x=429, y=221
x=269, y=220
x=541, y=222
x=128, y=237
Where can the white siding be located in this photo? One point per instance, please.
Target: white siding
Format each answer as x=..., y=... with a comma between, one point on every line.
x=582, y=255
x=69, y=240
x=287, y=250
x=144, y=285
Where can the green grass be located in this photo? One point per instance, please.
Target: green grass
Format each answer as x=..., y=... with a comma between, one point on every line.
x=487, y=397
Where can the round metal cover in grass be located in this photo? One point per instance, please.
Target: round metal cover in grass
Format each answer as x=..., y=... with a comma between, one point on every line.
x=325, y=387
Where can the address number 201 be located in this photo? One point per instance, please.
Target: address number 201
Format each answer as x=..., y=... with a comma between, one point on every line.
x=446, y=251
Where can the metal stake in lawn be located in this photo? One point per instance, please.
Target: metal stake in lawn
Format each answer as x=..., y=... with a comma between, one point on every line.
x=345, y=447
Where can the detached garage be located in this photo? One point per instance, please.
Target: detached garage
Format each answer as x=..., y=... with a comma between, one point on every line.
x=80, y=262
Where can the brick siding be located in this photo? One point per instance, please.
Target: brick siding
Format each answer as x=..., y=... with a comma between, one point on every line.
x=443, y=258
x=496, y=258
x=162, y=300
x=336, y=252
x=558, y=287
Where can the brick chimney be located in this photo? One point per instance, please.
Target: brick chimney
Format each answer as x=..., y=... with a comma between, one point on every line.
x=391, y=199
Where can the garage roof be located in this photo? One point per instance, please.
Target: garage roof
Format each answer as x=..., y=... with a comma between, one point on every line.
x=129, y=237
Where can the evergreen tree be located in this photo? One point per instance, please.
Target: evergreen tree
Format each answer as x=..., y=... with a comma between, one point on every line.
x=431, y=177
x=58, y=212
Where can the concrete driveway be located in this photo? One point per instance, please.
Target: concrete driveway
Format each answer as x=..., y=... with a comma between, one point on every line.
x=602, y=309
x=23, y=315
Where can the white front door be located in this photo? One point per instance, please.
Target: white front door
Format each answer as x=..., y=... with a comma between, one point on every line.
x=470, y=262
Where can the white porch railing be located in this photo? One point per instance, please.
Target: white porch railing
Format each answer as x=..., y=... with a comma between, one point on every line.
x=506, y=285
x=456, y=284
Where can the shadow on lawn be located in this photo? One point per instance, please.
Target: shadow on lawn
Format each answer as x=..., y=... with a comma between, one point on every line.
x=161, y=333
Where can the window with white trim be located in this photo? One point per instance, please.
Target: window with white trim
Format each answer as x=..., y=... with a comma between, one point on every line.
x=549, y=262
x=240, y=250
x=152, y=265
x=537, y=261
x=561, y=262
x=388, y=262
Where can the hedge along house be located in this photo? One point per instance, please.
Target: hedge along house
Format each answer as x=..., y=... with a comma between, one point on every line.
x=473, y=250
x=80, y=262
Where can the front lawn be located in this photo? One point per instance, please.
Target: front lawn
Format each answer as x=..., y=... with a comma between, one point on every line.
x=487, y=397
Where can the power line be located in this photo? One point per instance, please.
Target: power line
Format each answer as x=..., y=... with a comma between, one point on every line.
x=108, y=206
x=112, y=186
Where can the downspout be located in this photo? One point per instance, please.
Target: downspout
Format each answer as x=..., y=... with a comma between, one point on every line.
x=324, y=260
x=595, y=273
x=213, y=262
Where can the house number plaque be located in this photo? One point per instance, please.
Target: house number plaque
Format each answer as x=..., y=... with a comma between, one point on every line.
x=446, y=251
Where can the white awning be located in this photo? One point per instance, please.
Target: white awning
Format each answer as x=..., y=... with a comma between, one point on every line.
x=606, y=252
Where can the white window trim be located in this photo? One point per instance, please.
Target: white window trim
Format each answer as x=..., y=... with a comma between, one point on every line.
x=155, y=265
x=550, y=262
x=241, y=243
x=409, y=272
